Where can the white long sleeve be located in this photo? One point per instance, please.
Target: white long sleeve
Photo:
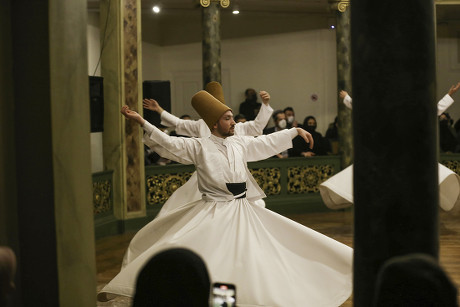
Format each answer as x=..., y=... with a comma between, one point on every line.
x=266, y=146
x=255, y=127
x=444, y=104
x=169, y=120
x=192, y=128
x=169, y=147
x=347, y=101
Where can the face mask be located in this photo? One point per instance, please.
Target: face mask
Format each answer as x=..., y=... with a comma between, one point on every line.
x=311, y=128
x=282, y=124
x=290, y=119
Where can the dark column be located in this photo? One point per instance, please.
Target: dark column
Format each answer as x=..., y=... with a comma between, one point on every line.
x=394, y=124
x=50, y=222
x=211, y=43
x=344, y=80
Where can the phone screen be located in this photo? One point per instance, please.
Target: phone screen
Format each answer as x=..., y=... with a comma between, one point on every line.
x=223, y=295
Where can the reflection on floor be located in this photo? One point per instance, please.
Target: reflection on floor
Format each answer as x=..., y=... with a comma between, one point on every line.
x=337, y=225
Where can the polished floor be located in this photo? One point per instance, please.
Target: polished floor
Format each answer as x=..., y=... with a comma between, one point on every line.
x=337, y=225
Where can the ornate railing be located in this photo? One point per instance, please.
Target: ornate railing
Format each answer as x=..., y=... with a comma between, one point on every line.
x=102, y=193
x=290, y=184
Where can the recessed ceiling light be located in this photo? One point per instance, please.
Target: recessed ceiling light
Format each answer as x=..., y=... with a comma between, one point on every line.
x=156, y=9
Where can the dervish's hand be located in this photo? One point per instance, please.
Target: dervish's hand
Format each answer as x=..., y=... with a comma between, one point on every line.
x=343, y=94
x=306, y=136
x=265, y=97
x=133, y=115
x=454, y=89
x=152, y=104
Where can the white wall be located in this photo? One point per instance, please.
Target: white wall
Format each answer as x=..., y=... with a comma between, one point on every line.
x=94, y=49
x=94, y=44
x=291, y=67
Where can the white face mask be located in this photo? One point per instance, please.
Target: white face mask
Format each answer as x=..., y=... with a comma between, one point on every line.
x=282, y=124
x=290, y=119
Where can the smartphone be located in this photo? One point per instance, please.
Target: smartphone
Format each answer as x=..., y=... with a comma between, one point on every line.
x=223, y=295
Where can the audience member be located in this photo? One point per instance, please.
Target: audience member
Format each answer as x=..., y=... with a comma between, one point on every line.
x=7, y=273
x=290, y=118
x=240, y=118
x=448, y=139
x=250, y=107
x=321, y=145
x=280, y=124
x=414, y=280
x=174, y=277
x=332, y=136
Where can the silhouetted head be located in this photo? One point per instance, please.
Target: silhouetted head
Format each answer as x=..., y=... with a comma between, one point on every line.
x=173, y=277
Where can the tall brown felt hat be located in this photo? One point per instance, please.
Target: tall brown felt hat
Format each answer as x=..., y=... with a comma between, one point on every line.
x=209, y=108
x=215, y=88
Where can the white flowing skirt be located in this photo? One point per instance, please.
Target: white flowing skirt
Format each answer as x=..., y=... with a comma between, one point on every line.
x=272, y=260
x=337, y=191
x=186, y=194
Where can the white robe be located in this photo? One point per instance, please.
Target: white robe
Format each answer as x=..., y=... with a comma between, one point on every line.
x=337, y=191
x=272, y=260
x=189, y=192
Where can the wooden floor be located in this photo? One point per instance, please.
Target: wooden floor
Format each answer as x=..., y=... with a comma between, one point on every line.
x=337, y=225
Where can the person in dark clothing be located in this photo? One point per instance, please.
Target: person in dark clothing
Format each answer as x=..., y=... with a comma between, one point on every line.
x=250, y=107
x=290, y=118
x=320, y=149
x=448, y=139
x=332, y=136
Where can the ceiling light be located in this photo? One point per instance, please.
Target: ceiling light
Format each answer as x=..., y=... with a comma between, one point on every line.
x=235, y=12
x=156, y=9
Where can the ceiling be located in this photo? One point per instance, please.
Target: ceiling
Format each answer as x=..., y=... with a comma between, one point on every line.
x=250, y=6
x=179, y=20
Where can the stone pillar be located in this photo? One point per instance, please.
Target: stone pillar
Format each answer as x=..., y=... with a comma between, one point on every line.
x=395, y=142
x=343, y=39
x=120, y=67
x=50, y=214
x=211, y=43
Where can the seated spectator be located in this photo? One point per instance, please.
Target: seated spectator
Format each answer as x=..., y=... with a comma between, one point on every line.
x=240, y=118
x=174, y=277
x=280, y=124
x=332, y=136
x=448, y=139
x=320, y=147
x=7, y=273
x=290, y=118
x=414, y=280
x=250, y=107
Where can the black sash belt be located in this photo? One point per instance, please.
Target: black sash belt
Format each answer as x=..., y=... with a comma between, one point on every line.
x=237, y=188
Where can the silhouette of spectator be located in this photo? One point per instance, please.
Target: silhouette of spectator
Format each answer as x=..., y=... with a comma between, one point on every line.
x=240, y=118
x=7, y=272
x=448, y=139
x=174, y=277
x=414, y=280
x=250, y=107
x=332, y=136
